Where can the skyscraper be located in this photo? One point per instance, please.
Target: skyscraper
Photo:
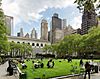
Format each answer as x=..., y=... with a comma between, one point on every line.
x=64, y=23
x=56, y=24
x=9, y=24
x=89, y=19
x=44, y=29
x=33, y=33
x=21, y=32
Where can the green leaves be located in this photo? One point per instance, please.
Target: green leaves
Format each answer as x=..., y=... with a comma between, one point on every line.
x=22, y=48
x=86, y=4
x=4, y=46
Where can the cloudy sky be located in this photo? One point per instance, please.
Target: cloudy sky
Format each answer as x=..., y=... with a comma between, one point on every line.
x=28, y=13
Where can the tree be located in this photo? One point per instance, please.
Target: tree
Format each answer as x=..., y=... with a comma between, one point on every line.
x=3, y=39
x=20, y=49
x=88, y=4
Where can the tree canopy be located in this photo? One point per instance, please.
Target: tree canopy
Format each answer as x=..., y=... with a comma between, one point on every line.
x=3, y=39
x=87, y=4
x=88, y=43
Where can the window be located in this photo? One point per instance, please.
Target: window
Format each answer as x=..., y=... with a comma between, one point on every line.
x=18, y=42
x=41, y=45
x=29, y=43
x=89, y=15
x=37, y=44
x=45, y=44
x=33, y=44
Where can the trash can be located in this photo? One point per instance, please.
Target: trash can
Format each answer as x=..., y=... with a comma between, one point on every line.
x=96, y=69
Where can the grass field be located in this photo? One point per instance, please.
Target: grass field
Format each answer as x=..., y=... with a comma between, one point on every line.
x=60, y=69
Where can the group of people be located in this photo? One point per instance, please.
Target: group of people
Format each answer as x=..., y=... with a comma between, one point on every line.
x=38, y=64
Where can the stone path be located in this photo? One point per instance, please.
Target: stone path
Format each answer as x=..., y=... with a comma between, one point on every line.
x=3, y=72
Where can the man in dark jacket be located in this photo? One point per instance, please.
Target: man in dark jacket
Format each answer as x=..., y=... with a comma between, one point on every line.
x=87, y=70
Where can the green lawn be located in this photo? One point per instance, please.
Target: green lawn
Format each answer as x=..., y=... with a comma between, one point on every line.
x=60, y=69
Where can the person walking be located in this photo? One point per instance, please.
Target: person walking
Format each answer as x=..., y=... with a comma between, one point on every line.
x=87, y=70
x=81, y=63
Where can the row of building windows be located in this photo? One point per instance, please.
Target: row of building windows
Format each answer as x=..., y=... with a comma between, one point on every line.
x=33, y=44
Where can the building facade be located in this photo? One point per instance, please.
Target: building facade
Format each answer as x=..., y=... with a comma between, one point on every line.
x=44, y=29
x=69, y=30
x=20, y=34
x=99, y=20
x=33, y=34
x=36, y=44
x=64, y=23
x=56, y=24
x=59, y=35
x=27, y=35
x=9, y=24
x=89, y=19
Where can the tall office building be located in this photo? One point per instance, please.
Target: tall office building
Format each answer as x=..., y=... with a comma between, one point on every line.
x=59, y=35
x=44, y=29
x=33, y=34
x=48, y=35
x=64, y=25
x=9, y=24
x=21, y=32
x=56, y=24
x=89, y=19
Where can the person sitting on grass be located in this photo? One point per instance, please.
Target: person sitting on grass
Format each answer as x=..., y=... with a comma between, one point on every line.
x=41, y=65
x=24, y=66
x=38, y=65
x=50, y=64
x=69, y=59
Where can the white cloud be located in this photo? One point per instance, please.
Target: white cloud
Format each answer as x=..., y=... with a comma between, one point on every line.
x=76, y=22
x=26, y=9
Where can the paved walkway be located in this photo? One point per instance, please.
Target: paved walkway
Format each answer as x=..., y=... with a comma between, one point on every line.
x=93, y=76
x=3, y=72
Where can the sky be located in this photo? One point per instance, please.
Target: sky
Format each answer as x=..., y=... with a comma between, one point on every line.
x=29, y=13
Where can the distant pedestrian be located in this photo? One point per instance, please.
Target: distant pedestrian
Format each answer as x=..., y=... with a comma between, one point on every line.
x=81, y=62
x=87, y=70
